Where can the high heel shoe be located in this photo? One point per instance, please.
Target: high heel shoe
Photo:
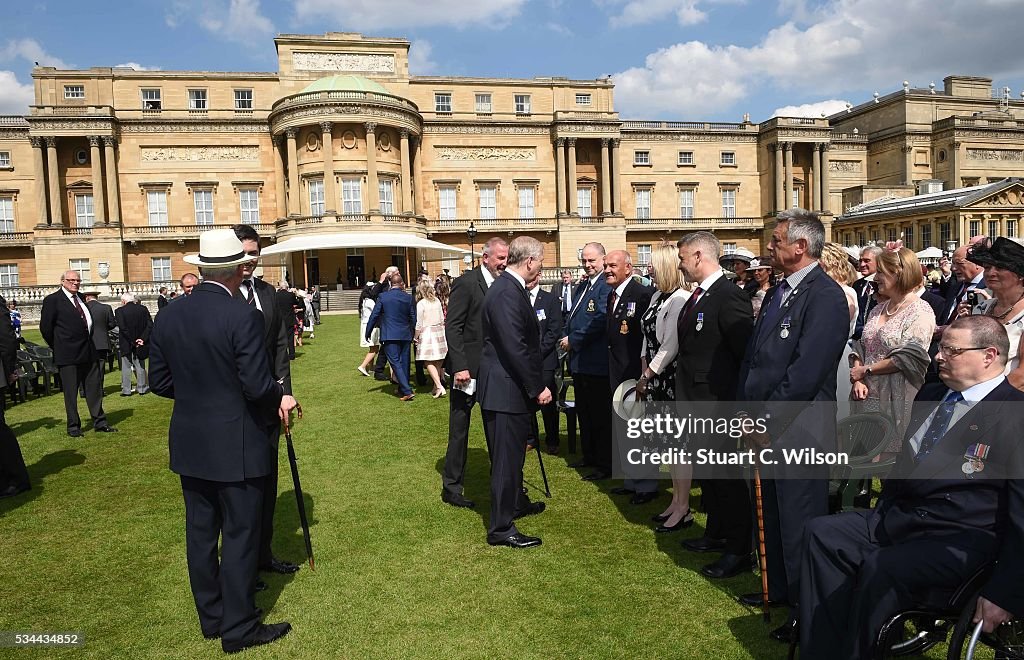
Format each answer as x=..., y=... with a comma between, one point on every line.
x=661, y=517
x=684, y=522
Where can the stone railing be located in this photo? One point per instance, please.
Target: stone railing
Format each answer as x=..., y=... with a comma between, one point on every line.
x=977, y=122
x=694, y=223
x=163, y=232
x=688, y=126
x=73, y=110
x=348, y=219
x=343, y=96
x=16, y=237
x=460, y=225
x=30, y=298
x=13, y=120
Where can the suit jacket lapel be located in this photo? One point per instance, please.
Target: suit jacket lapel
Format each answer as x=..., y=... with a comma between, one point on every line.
x=969, y=429
x=788, y=304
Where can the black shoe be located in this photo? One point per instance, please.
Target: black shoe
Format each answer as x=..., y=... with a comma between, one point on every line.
x=13, y=490
x=457, y=500
x=660, y=518
x=684, y=522
x=785, y=633
x=75, y=434
x=265, y=634
x=377, y=376
x=579, y=464
x=703, y=544
x=727, y=566
x=517, y=541
x=552, y=450
x=533, y=509
x=105, y=429
x=621, y=490
x=597, y=476
x=643, y=498
x=279, y=566
x=261, y=585
x=756, y=599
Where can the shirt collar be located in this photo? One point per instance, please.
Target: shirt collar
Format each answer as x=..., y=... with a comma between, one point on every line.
x=622, y=287
x=796, y=278
x=711, y=279
x=488, y=278
x=979, y=391
x=978, y=278
x=534, y=292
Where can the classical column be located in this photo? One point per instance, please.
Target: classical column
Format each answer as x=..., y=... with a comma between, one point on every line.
x=113, y=195
x=327, y=145
x=403, y=139
x=51, y=164
x=417, y=169
x=97, y=179
x=42, y=203
x=372, y=191
x=293, y=174
x=954, y=162
x=780, y=193
x=280, y=209
x=560, y=177
x=616, y=180
x=606, y=181
x=788, y=201
x=908, y=163
x=571, y=187
x=826, y=197
x=815, y=177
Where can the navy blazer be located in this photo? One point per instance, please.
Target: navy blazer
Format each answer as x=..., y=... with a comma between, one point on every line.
x=587, y=330
x=64, y=331
x=207, y=354
x=624, y=348
x=396, y=314
x=550, y=326
x=510, y=377
x=801, y=366
x=462, y=330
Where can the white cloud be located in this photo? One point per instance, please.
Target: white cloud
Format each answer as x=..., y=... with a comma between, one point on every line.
x=419, y=58
x=240, y=21
x=138, y=67
x=369, y=15
x=858, y=44
x=641, y=12
x=30, y=51
x=558, y=28
x=14, y=97
x=826, y=108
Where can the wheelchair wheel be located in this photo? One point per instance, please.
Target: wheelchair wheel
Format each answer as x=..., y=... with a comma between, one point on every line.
x=912, y=633
x=1005, y=643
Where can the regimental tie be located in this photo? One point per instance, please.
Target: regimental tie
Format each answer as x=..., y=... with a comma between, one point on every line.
x=937, y=428
x=250, y=296
x=81, y=312
x=774, y=308
x=690, y=303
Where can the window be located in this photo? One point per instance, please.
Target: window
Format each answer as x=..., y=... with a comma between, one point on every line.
x=6, y=214
x=908, y=237
x=243, y=99
x=893, y=234
x=875, y=236
x=686, y=202
x=584, y=202
x=5, y=158
x=522, y=104
x=728, y=202
x=527, y=202
x=203, y=200
x=151, y=99
x=442, y=102
x=685, y=158
x=641, y=158
x=156, y=203
x=197, y=99
x=993, y=230
x=386, y=190
x=643, y=202
x=643, y=255
x=795, y=202
x=446, y=202
x=82, y=266
x=8, y=275
x=85, y=216
x=974, y=227
x=351, y=196
x=161, y=269
x=488, y=202
x=74, y=91
x=249, y=203
x=728, y=248
x=728, y=158
x=926, y=236
x=483, y=103
x=583, y=99
x=944, y=234
x=1011, y=228
x=316, y=197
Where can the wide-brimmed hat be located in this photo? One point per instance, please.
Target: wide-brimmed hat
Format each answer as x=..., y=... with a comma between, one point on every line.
x=1002, y=253
x=759, y=264
x=626, y=403
x=217, y=248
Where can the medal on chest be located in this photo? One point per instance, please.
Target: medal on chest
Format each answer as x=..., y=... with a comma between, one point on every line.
x=630, y=310
x=591, y=307
x=624, y=328
x=784, y=332
x=700, y=321
x=975, y=459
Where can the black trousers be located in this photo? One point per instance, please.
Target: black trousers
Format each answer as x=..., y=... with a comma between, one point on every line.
x=726, y=499
x=378, y=365
x=459, y=408
x=506, y=435
x=789, y=504
x=855, y=578
x=90, y=376
x=12, y=464
x=223, y=588
x=594, y=412
x=267, y=515
x=549, y=413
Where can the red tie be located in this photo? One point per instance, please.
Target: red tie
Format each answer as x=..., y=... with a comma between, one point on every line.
x=81, y=312
x=615, y=300
x=690, y=303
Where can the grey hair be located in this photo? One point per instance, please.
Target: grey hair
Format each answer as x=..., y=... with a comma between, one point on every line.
x=985, y=331
x=705, y=241
x=873, y=250
x=492, y=243
x=127, y=298
x=806, y=225
x=217, y=273
x=598, y=246
x=524, y=247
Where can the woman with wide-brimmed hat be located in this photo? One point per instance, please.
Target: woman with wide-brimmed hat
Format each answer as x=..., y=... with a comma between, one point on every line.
x=1003, y=261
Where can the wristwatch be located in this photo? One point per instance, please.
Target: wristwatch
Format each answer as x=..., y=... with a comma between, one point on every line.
x=868, y=371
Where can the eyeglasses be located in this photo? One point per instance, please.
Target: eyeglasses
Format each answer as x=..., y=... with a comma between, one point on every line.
x=68, y=279
x=953, y=351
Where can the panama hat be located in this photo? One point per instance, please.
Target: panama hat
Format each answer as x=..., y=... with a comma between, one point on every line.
x=219, y=248
x=756, y=264
x=626, y=402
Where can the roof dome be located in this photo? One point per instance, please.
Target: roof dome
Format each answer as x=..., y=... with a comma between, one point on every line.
x=345, y=83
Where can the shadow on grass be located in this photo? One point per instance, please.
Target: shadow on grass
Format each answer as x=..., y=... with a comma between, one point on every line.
x=50, y=464
x=117, y=416
x=289, y=541
x=751, y=631
x=24, y=428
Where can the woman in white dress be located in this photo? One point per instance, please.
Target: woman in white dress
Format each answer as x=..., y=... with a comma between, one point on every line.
x=431, y=346
x=366, y=304
x=836, y=264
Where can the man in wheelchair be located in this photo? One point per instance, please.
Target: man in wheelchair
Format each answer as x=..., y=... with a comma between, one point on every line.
x=953, y=503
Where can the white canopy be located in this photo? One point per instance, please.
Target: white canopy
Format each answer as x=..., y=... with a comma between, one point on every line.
x=429, y=250
x=930, y=253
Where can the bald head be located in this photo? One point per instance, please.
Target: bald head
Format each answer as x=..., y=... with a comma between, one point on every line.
x=964, y=270
x=617, y=267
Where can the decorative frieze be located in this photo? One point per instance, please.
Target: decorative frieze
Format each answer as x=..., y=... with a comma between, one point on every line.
x=485, y=153
x=485, y=129
x=1010, y=155
x=201, y=153
x=845, y=166
x=686, y=137
x=358, y=62
x=195, y=127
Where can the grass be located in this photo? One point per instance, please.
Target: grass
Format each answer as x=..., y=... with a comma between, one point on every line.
x=97, y=546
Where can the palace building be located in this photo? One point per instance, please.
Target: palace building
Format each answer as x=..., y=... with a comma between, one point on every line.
x=347, y=164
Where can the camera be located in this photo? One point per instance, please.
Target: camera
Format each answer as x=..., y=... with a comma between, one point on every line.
x=972, y=298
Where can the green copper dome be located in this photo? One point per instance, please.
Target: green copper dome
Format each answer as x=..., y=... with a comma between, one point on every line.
x=345, y=83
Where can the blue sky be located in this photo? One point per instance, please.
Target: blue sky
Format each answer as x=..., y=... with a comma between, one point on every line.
x=688, y=60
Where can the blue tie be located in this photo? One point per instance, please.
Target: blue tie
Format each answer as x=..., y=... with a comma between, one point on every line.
x=774, y=308
x=937, y=428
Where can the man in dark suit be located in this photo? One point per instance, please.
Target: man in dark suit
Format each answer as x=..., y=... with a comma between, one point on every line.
x=546, y=306
x=396, y=314
x=953, y=503
x=967, y=276
x=627, y=302
x=102, y=323
x=13, y=473
x=586, y=341
x=134, y=326
x=208, y=355
x=161, y=300
x=865, y=286
x=286, y=303
x=257, y=293
x=511, y=386
x=565, y=291
x=66, y=325
x=380, y=287
x=464, y=334
x=793, y=356
x=714, y=328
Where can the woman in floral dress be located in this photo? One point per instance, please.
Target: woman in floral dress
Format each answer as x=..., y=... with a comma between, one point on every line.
x=431, y=346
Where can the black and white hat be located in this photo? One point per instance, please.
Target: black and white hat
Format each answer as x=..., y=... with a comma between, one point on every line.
x=219, y=247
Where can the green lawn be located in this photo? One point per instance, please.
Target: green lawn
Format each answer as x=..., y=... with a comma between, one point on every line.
x=97, y=546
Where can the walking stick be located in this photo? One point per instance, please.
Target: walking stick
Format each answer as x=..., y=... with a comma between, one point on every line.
x=540, y=458
x=759, y=505
x=298, y=489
